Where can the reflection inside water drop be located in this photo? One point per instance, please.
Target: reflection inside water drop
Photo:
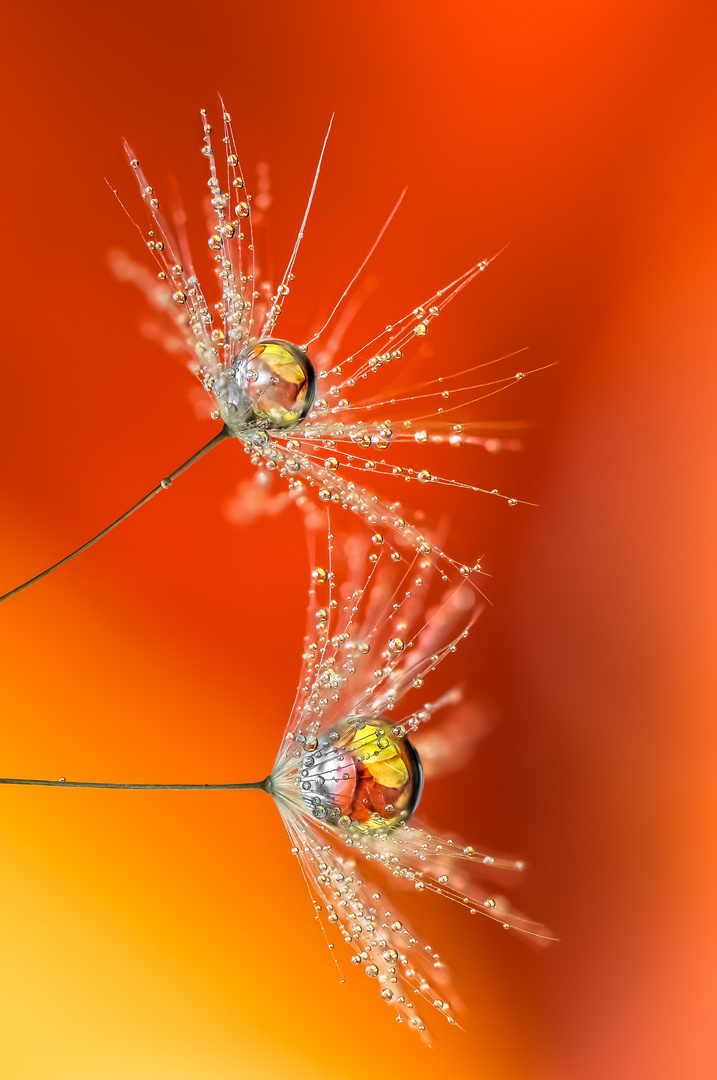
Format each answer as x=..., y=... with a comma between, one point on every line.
x=365, y=777
x=271, y=385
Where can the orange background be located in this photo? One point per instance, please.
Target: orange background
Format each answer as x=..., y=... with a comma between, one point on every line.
x=168, y=935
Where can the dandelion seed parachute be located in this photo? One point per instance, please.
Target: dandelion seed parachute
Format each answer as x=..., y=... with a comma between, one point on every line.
x=264, y=388
x=335, y=440
x=347, y=779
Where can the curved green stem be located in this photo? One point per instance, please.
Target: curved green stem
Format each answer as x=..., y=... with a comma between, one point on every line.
x=162, y=486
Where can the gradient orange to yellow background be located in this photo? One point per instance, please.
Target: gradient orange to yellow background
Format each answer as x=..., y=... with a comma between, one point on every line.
x=169, y=935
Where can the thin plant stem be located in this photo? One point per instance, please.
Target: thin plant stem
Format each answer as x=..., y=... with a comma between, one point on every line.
x=162, y=486
x=259, y=785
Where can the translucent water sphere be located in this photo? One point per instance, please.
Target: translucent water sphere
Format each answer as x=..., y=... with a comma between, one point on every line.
x=361, y=775
x=271, y=385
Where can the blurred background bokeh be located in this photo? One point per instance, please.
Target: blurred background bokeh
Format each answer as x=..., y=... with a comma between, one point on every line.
x=168, y=935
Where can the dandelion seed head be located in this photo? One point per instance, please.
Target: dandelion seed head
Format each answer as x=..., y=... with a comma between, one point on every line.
x=258, y=381
x=347, y=780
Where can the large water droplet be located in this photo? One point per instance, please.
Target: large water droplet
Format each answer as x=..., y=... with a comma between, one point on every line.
x=367, y=778
x=273, y=387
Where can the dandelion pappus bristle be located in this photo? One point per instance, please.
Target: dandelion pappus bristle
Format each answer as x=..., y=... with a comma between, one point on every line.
x=408, y=973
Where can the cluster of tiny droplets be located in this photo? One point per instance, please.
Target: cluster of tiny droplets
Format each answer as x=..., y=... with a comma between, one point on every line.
x=212, y=346
x=339, y=440
x=375, y=631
